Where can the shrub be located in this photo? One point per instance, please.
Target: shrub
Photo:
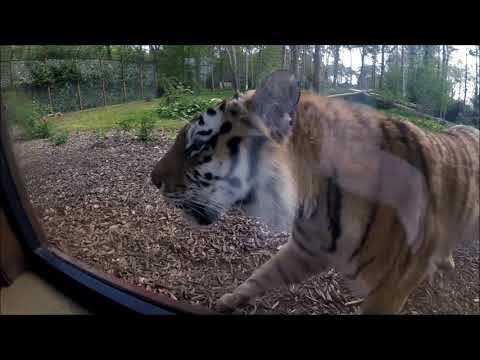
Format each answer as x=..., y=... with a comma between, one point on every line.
x=59, y=137
x=35, y=125
x=185, y=108
x=145, y=129
x=126, y=124
x=172, y=89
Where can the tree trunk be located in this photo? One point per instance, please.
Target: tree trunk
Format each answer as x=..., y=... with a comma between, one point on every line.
x=325, y=70
x=443, y=80
x=351, y=66
x=284, y=56
x=382, y=68
x=109, y=52
x=465, y=81
x=197, y=69
x=103, y=85
x=304, y=66
x=374, y=69
x=50, y=100
x=362, y=68
x=79, y=94
x=316, y=69
x=141, y=81
x=232, y=56
x=213, y=66
x=252, y=72
x=294, y=60
x=11, y=70
x=246, y=69
x=478, y=78
x=404, y=73
x=477, y=82
x=222, y=71
x=154, y=58
x=123, y=82
x=336, y=58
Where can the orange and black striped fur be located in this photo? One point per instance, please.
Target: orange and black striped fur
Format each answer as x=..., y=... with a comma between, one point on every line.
x=379, y=199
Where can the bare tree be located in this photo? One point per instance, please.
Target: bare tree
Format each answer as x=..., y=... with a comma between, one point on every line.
x=246, y=68
x=109, y=52
x=350, y=48
x=465, y=80
x=362, y=67
x=304, y=66
x=316, y=69
x=327, y=59
x=284, y=56
x=336, y=59
x=404, y=73
x=382, y=67
x=212, y=54
x=232, y=57
x=294, y=62
x=374, y=51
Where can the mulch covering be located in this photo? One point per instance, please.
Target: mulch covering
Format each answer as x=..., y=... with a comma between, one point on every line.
x=96, y=203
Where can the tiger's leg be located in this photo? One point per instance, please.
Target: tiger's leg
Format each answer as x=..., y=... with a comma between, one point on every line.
x=444, y=265
x=392, y=293
x=447, y=264
x=288, y=266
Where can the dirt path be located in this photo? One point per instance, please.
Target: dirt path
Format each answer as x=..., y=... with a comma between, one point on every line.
x=95, y=202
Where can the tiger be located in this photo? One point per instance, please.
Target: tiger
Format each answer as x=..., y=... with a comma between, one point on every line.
x=379, y=199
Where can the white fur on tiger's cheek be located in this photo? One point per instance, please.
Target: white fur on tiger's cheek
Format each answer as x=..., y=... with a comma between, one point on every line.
x=206, y=126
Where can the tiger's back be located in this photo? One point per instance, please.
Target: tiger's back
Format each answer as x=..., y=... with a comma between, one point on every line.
x=400, y=199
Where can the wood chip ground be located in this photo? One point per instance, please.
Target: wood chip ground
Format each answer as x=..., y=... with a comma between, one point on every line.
x=95, y=202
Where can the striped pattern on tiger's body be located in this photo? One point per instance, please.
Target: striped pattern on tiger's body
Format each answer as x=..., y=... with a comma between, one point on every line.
x=379, y=199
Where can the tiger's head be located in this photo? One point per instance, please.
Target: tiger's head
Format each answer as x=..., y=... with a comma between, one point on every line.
x=234, y=155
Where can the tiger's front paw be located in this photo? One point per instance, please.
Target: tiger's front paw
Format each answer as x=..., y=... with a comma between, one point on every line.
x=229, y=302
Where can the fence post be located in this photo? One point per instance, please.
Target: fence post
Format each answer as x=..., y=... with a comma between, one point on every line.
x=155, y=79
x=141, y=79
x=79, y=95
x=49, y=91
x=11, y=74
x=103, y=84
x=124, y=84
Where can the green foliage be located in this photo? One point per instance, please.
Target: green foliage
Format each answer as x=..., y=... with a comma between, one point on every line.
x=271, y=60
x=145, y=129
x=392, y=82
x=421, y=122
x=66, y=71
x=47, y=74
x=172, y=89
x=59, y=137
x=185, y=107
x=126, y=124
x=41, y=74
x=34, y=125
x=427, y=91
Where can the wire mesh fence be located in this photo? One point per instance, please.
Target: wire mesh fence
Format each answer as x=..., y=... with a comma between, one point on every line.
x=100, y=83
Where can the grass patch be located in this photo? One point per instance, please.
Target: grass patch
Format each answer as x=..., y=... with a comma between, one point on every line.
x=125, y=116
x=107, y=117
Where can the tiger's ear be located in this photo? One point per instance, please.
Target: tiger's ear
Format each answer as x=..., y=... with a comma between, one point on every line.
x=275, y=102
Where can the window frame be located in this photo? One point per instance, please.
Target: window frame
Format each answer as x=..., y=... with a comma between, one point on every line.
x=98, y=291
